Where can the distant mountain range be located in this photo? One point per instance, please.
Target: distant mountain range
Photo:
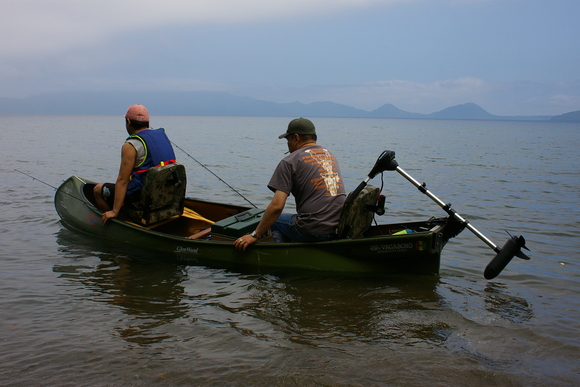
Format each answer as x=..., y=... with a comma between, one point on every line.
x=205, y=103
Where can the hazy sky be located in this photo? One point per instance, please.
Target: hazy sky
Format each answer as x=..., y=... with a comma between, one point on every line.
x=512, y=57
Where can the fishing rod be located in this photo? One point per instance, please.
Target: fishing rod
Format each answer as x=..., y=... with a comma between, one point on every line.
x=37, y=179
x=50, y=185
x=210, y=171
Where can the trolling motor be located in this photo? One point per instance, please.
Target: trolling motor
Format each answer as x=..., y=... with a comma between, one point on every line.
x=383, y=163
x=512, y=248
x=361, y=204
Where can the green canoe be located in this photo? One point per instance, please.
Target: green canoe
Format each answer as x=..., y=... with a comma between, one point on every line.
x=183, y=239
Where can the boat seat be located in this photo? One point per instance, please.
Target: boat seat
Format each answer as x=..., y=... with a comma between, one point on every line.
x=162, y=195
x=356, y=217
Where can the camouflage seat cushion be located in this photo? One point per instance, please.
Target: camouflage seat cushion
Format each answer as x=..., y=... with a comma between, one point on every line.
x=162, y=195
x=355, y=218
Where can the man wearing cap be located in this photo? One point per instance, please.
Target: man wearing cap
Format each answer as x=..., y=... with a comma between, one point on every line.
x=144, y=148
x=310, y=173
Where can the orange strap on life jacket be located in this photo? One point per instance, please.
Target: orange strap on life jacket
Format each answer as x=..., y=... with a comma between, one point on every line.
x=161, y=164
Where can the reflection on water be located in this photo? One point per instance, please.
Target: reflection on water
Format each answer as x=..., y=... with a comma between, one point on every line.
x=194, y=312
x=314, y=311
x=405, y=310
x=322, y=310
x=207, y=314
x=511, y=308
x=149, y=293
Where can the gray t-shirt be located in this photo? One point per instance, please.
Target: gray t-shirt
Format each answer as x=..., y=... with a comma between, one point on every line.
x=313, y=176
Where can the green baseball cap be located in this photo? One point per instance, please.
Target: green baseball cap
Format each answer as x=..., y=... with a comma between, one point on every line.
x=299, y=126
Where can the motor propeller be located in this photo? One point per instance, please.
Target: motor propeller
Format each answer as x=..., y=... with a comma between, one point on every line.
x=512, y=248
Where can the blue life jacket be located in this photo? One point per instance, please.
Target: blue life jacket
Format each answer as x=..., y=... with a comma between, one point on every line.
x=158, y=152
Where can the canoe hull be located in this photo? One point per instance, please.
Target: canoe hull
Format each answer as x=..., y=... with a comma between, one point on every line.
x=417, y=253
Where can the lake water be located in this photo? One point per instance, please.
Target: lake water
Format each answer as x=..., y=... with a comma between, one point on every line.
x=79, y=312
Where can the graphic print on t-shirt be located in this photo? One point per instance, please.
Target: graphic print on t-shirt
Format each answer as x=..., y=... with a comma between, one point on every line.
x=329, y=178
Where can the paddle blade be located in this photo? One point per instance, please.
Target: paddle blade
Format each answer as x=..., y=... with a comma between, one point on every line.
x=385, y=162
x=512, y=248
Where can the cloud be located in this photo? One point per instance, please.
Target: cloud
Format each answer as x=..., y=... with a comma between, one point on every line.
x=36, y=27
x=419, y=55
